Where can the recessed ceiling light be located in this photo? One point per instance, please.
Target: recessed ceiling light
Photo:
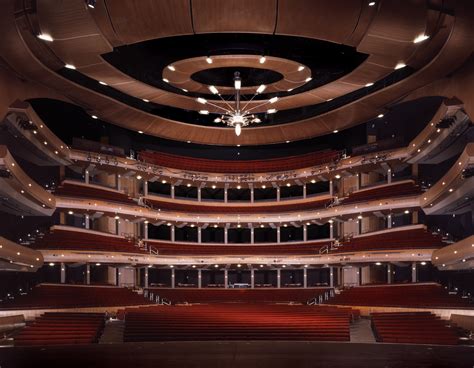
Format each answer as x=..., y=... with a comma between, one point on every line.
x=337, y=176
x=103, y=83
x=335, y=131
x=308, y=79
x=145, y=100
x=209, y=60
x=94, y=117
x=369, y=84
x=288, y=141
x=313, y=181
x=380, y=116
x=139, y=177
x=400, y=66
x=372, y=3
x=289, y=90
x=262, y=60
x=184, y=90
x=421, y=38
x=166, y=80
x=300, y=68
x=171, y=67
x=140, y=131
x=45, y=37
x=70, y=66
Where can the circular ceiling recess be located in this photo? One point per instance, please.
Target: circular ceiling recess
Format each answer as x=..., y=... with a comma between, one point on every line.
x=224, y=77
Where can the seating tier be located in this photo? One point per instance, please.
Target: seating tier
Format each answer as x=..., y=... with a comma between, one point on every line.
x=68, y=189
x=385, y=191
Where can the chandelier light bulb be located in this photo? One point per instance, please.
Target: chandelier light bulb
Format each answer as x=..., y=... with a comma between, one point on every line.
x=273, y=99
x=238, y=129
x=201, y=100
x=261, y=88
x=237, y=83
x=214, y=90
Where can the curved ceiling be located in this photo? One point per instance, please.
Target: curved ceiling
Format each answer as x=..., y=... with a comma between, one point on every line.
x=385, y=32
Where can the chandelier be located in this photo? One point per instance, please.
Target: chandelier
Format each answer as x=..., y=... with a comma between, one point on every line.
x=234, y=114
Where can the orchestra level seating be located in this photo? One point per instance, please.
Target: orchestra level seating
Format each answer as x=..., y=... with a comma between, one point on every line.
x=69, y=239
x=174, y=249
x=253, y=166
x=270, y=295
x=62, y=329
x=67, y=296
x=76, y=190
x=409, y=296
x=413, y=328
x=384, y=191
x=417, y=238
x=237, y=322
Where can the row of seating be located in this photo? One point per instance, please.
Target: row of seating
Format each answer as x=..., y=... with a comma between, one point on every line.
x=69, y=189
x=188, y=295
x=279, y=207
x=410, y=295
x=385, y=191
x=237, y=322
x=175, y=249
x=69, y=239
x=62, y=329
x=46, y=296
x=413, y=328
x=418, y=238
x=250, y=166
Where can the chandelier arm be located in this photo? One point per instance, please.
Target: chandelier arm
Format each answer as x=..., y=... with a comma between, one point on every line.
x=256, y=107
x=225, y=101
x=216, y=106
x=243, y=109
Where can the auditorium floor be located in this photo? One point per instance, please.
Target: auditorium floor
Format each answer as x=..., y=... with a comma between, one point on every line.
x=249, y=354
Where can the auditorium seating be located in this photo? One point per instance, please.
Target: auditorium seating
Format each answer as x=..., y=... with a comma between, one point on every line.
x=279, y=207
x=76, y=190
x=394, y=239
x=413, y=328
x=71, y=239
x=236, y=322
x=409, y=296
x=62, y=329
x=173, y=249
x=46, y=296
x=385, y=191
x=239, y=295
x=253, y=166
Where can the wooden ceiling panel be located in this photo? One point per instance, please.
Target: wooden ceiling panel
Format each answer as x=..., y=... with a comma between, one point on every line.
x=81, y=52
x=140, y=20
x=250, y=16
x=333, y=20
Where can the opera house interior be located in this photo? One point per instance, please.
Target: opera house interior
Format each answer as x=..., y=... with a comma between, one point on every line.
x=236, y=183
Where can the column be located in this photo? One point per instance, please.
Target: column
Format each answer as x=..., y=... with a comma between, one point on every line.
x=305, y=277
x=252, y=278
x=87, y=223
x=145, y=229
x=145, y=188
x=146, y=278
x=414, y=275
x=199, y=235
x=86, y=176
x=389, y=176
x=252, y=194
x=331, y=230
x=414, y=217
x=88, y=274
x=389, y=221
x=389, y=273
x=226, y=187
x=278, y=235
x=278, y=278
x=172, y=190
x=118, y=183
x=252, y=235
x=357, y=182
x=199, y=279
x=304, y=190
x=199, y=193
x=305, y=233
x=278, y=193
x=331, y=188
x=331, y=276
x=226, y=278
x=226, y=235
x=173, y=278
x=63, y=273
x=172, y=233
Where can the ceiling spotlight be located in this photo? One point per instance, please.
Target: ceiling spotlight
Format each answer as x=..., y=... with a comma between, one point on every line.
x=238, y=187
x=45, y=37
x=204, y=112
x=94, y=117
x=378, y=263
x=308, y=79
x=337, y=176
x=380, y=116
x=103, y=83
x=70, y=213
x=262, y=59
x=271, y=111
x=407, y=212
x=400, y=66
x=145, y=100
x=264, y=186
x=213, y=187
x=188, y=185
x=140, y=132
x=213, y=90
x=261, y=88
x=166, y=80
x=423, y=263
x=163, y=181
x=369, y=84
x=335, y=131
x=289, y=89
x=171, y=67
x=421, y=38
x=70, y=66
x=313, y=181
x=300, y=68
x=209, y=60
x=184, y=90
x=201, y=100
x=372, y=3
x=91, y=3
x=288, y=184
x=139, y=177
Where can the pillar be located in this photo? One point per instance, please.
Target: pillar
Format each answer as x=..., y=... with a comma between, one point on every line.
x=252, y=278
x=278, y=278
x=226, y=188
x=199, y=235
x=63, y=273
x=145, y=230
x=414, y=275
x=199, y=279
x=86, y=177
x=88, y=274
x=252, y=235
x=414, y=217
x=357, y=182
x=173, y=278
x=331, y=276
x=146, y=278
x=145, y=188
x=389, y=221
x=252, y=194
x=226, y=278
x=331, y=230
x=305, y=233
x=226, y=235
x=172, y=233
x=389, y=176
x=172, y=190
x=305, y=277
x=278, y=193
x=87, y=222
x=199, y=193
x=331, y=188
x=389, y=273
x=304, y=190
x=278, y=235
x=118, y=183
